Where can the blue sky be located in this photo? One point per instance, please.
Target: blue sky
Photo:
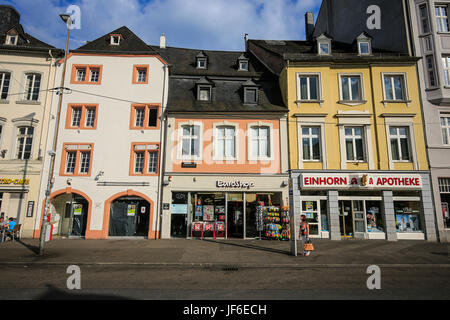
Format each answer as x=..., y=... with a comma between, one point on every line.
x=201, y=24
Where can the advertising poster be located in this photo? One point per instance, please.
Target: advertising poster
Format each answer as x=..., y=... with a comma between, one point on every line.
x=77, y=209
x=131, y=210
x=371, y=219
x=402, y=222
x=179, y=209
x=198, y=211
x=208, y=213
x=309, y=206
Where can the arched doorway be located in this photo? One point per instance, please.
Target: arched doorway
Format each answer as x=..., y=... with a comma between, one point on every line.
x=70, y=211
x=129, y=217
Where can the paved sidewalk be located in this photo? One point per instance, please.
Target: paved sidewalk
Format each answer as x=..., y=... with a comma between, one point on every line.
x=229, y=253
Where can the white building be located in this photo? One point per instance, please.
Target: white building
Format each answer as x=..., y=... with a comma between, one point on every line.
x=106, y=175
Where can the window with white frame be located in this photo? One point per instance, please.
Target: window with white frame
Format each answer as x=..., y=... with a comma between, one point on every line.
x=85, y=160
x=423, y=15
x=71, y=159
x=351, y=88
x=115, y=40
x=24, y=143
x=364, y=48
x=442, y=18
x=201, y=63
x=81, y=74
x=309, y=87
x=225, y=142
x=311, y=143
x=152, y=161
x=190, y=141
x=139, y=159
x=354, y=143
x=144, y=159
x=394, y=87
x=251, y=95
x=399, y=138
x=260, y=142
x=33, y=85
x=446, y=66
x=5, y=78
x=90, y=117
x=76, y=116
x=243, y=65
x=445, y=126
x=95, y=75
x=141, y=75
x=11, y=39
x=430, y=71
x=139, y=117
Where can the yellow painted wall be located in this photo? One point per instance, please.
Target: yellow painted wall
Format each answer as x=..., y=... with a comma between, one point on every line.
x=373, y=94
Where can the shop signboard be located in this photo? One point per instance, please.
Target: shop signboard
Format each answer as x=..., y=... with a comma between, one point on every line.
x=77, y=209
x=179, y=209
x=360, y=181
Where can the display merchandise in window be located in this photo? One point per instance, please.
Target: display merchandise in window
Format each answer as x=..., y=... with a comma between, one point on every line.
x=407, y=216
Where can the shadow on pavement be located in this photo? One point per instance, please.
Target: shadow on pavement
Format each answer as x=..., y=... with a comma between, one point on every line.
x=251, y=246
x=54, y=293
x=30, y=247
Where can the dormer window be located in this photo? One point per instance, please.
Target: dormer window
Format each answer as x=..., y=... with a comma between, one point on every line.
x=202, y=61
x=243, y=63
x=204, y=87
x=364, y=44
x=11, y=39
x=323, y=45
x=250, y=92
x=115, y=39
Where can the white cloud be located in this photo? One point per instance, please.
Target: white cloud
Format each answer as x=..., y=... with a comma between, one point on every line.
x=203, y=24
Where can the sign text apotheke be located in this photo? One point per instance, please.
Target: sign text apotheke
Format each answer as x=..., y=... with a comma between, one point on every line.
x=14, y=181
x=235, y=184
x=374, y=181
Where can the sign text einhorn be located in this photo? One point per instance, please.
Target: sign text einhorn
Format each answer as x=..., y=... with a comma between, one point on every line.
x=235, y=184
x=375, y=181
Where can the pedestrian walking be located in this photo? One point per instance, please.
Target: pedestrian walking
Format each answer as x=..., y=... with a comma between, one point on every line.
x=304, y=235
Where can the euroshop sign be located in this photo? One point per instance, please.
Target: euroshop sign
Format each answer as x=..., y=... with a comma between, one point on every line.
x=235, y=184
x=360, y=181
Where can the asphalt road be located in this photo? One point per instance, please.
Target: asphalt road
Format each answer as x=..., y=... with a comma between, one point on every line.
x=144, y=282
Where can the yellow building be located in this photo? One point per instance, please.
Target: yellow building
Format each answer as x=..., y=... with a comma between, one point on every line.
x=358, y=164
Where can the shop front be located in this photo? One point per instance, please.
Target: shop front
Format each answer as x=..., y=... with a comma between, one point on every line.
x=364, y=205
x=220, y=207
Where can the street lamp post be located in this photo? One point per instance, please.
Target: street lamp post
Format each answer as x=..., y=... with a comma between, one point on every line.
x=66, y=18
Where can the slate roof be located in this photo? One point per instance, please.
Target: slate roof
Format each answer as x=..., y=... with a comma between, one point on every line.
x=130, y=44
x=227, y=83
x=341, y=52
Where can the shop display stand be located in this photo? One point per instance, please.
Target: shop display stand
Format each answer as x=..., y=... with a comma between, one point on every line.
x=272, y=223
x=285, y=221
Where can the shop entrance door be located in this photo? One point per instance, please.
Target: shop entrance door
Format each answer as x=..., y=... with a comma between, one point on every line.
x=129, y=218
x=235, y=215
x=311, y=209
x=74, y=220
x=352, y=219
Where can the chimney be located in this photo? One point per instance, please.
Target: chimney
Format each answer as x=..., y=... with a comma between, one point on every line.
x=246, y=40
x=162, y=41
x=309, y=25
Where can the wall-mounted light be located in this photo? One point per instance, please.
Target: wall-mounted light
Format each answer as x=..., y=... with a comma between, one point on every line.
x=69, y=181
x=3, y=153
x=97, y=177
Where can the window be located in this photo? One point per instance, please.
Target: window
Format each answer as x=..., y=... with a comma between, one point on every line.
x=24, y=143
x=351, y=88
x=364, y=48
x=324, y=48
x=81, y=117
x=260, y=142
x=144, y=117
x=428, y=46
x=76, y=159
x=204, y=93
x=140, y=74
x=32, y=86
x=423, y=11
x=144, y=159
x=399, y=138
x=251, y=95
x=86, y=74
x=445, y=126
x=354, y=143
x=430, y=71
x=394, y=87
x=441, y=18
x=11, y=39
x=446, y=65
x=309, y=87
x=311, y=143
x=190, y=141
x=225, y=142
x=201, y=63
x=5, y=78
x=115, y=39
x=95, y=74
x=243, y=65
x=408, y=216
